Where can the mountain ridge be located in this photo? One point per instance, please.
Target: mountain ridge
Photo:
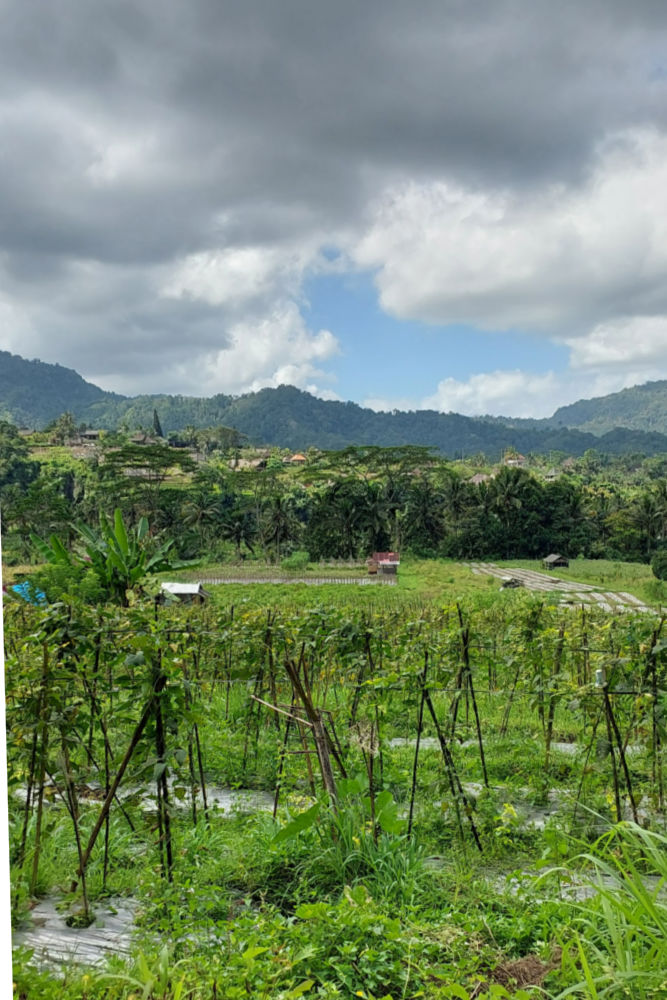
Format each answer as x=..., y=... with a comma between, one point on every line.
x=35, y=393
x=620, y=409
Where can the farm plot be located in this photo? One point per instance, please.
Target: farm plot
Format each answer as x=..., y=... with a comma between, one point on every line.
x=320, y=798
x=580, y=592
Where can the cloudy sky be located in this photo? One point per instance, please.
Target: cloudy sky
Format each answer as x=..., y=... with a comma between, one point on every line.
x=459, y=204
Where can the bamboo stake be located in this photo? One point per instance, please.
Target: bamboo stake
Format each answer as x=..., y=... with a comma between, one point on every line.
x=455, y=785
x=136, y=736
x=420, y=723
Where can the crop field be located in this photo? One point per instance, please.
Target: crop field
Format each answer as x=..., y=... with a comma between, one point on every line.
x=344, y=792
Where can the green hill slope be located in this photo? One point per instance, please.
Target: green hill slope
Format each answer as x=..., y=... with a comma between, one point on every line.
x=641, y=408
x=34, y=393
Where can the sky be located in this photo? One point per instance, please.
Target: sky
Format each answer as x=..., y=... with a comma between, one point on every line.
x=456, y=204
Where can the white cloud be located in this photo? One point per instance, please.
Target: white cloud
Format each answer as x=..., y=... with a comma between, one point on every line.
x=238, y=276
x=275, y=349
x=512, y=393
x=566, y=263
x=515, y=393
x=638, y=340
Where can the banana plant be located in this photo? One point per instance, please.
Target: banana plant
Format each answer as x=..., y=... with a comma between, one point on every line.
x=120, y=557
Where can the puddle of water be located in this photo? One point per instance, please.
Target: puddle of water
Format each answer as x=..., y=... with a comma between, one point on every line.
x=569, y=749
x=54, y=943
x=225, y=799
x=575, y=887
x=425, y=743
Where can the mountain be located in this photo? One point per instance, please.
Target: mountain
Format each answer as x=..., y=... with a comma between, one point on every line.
x=34, y=393
x=641, y=408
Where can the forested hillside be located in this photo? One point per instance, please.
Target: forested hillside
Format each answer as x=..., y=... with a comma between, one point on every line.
x=642, y=408
x=33, y=394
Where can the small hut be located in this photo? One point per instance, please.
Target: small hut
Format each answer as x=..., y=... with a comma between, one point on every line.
x=186, y=593
x=384, y=563
x=555, y=560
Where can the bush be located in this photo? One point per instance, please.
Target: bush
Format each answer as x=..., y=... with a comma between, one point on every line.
x=659, y=564
x=297, y=562
x=64, y=583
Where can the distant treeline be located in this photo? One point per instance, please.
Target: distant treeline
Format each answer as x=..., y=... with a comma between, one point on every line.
x=339, y=505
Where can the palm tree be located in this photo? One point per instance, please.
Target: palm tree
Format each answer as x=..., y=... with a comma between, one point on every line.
x=279, y=523
x=240, y=527
x=374, y=517
x=424, y=521
x=648, y=517
x=201, y=511
x=507, y=490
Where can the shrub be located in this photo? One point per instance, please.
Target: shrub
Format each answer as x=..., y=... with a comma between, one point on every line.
x=298, y=561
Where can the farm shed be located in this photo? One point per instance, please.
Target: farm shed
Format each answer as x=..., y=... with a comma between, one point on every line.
x=384, y=563
x=554, y=560
x=186, y=593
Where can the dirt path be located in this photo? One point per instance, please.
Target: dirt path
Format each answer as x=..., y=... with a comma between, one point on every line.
x=581, y=593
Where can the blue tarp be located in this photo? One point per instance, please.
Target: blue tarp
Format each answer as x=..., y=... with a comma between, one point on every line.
x=29, y=593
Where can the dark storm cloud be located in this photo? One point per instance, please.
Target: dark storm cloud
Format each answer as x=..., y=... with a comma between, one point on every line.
x=137, y=133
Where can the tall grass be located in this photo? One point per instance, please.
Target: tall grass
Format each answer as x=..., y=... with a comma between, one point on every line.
x=620, y=946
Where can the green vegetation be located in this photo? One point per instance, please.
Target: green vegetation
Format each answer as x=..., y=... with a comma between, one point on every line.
x=434, y=789
x=336, y=506
x=34, y=393
x=118, y=558
x=659, y=565
x=642, y=407
x=456, y=870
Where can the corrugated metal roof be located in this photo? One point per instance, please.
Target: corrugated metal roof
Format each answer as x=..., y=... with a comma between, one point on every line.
x=183, y=588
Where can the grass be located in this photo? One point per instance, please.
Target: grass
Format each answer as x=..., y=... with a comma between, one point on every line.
x=621, y=945
x=441, y=579
x=425, y=579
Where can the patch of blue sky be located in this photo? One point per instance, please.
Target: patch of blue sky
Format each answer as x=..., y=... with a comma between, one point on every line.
x=396, y=359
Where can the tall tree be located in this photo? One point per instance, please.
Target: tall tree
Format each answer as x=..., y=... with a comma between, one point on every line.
x=157, y=426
